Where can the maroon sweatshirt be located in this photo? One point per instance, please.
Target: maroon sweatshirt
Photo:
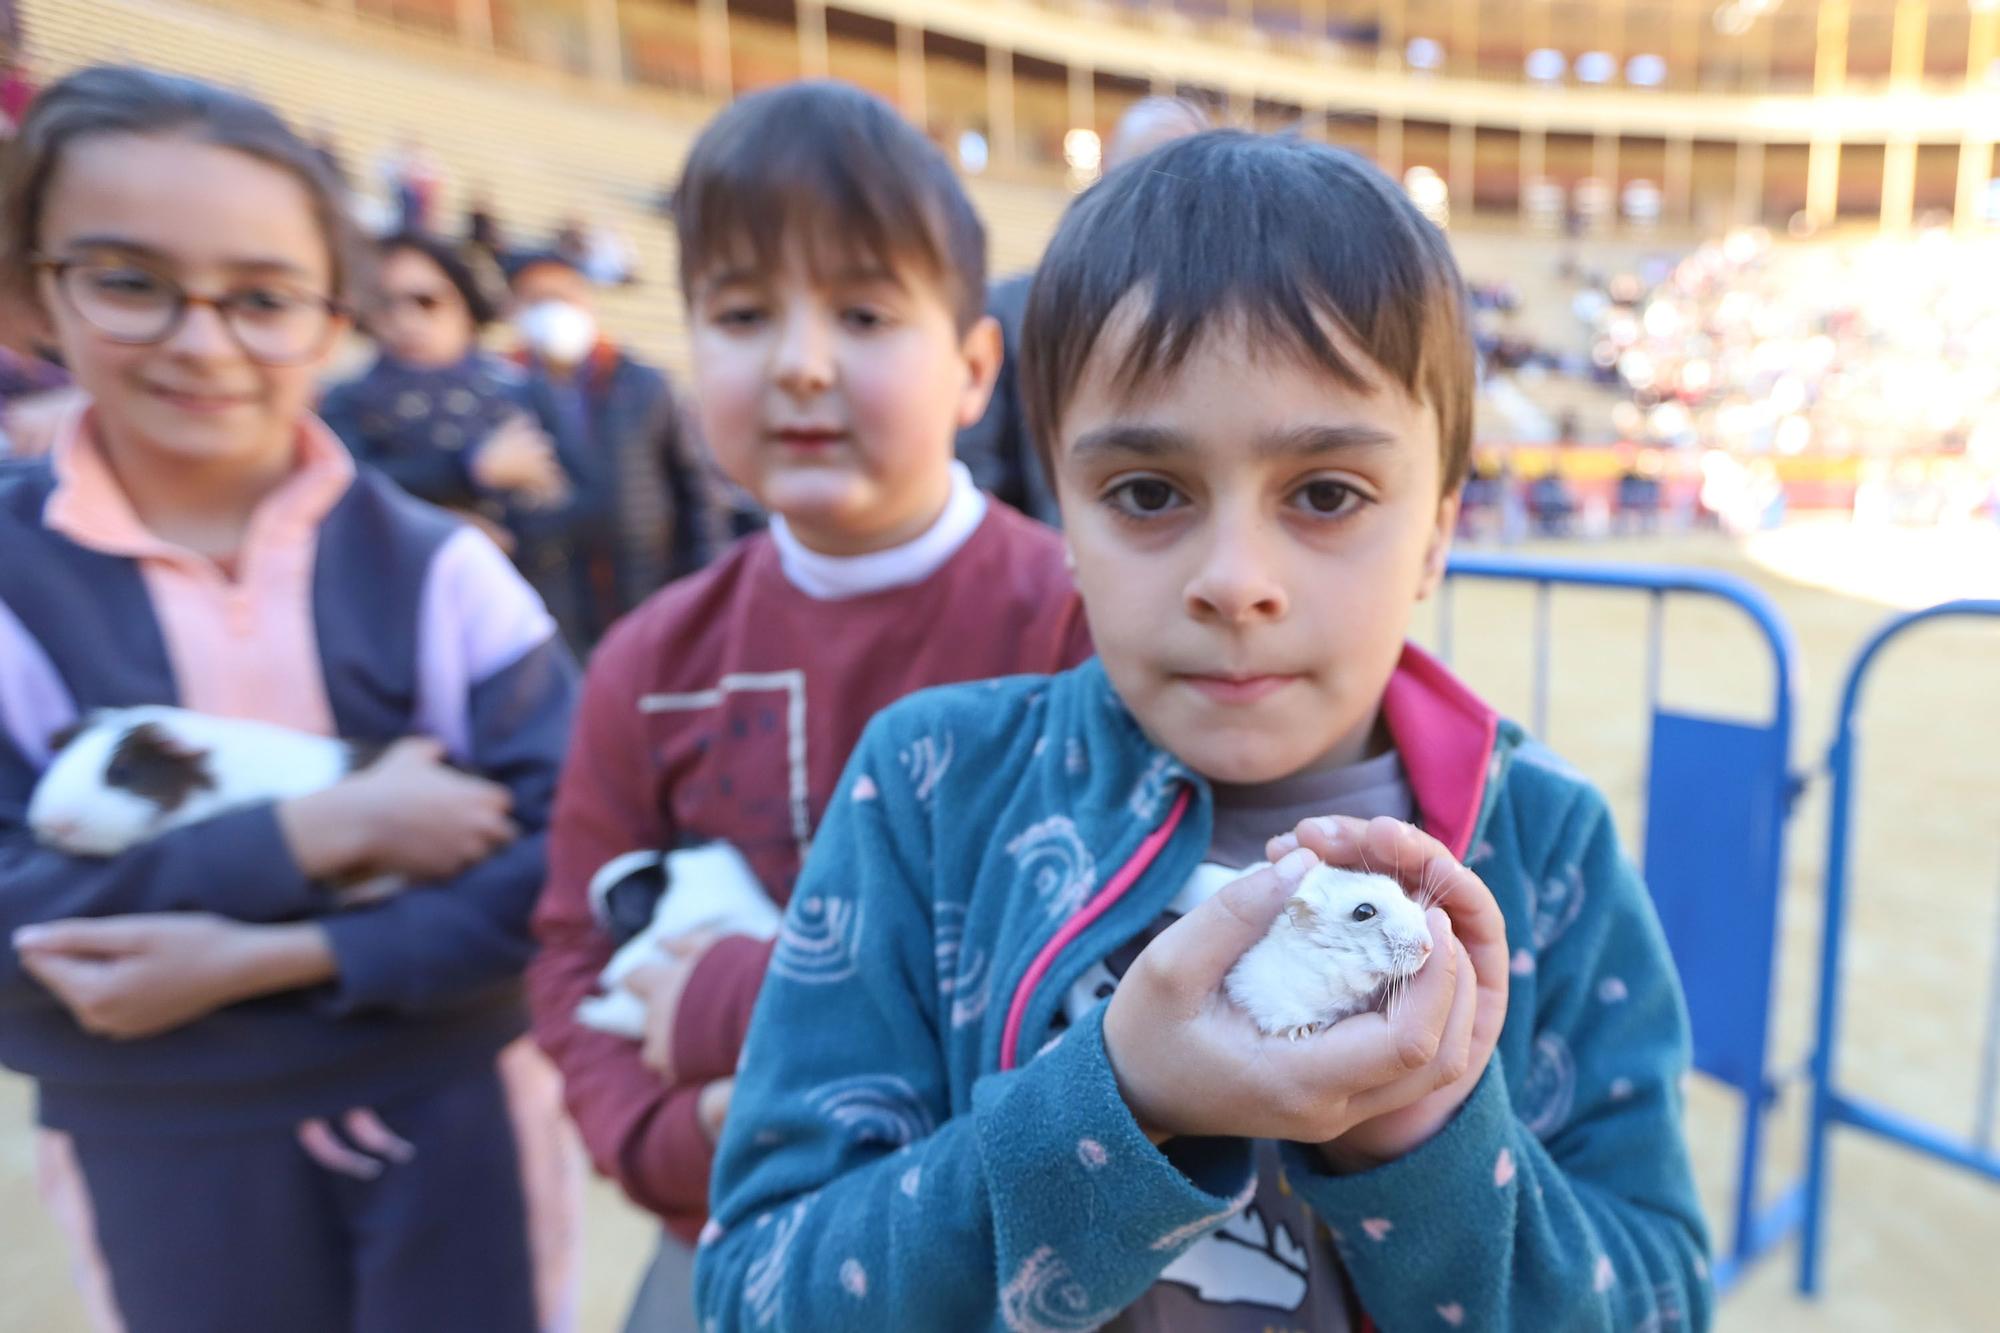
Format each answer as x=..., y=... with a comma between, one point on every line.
x=725, y=707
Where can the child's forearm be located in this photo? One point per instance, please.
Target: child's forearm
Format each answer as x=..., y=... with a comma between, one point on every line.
x=232, y=865
x=1043, y=1196
x=324, y=831
x=1513, y=1235
x=284, y=957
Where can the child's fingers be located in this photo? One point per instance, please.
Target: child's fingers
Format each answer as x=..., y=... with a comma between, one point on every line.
x=1476, y=919
x=1189, y=959
x=658, y=986
x=654, y=1047
x=59, y=972
x=87, y=987
x=92, y=937
x=324, y=1146
x=417, y=749
x=366, y=1128
x=691, y=945
x=494, y=827
x=1382, y=845
x=1453, y=1050
x=1401, y=851
x=1332, y=838
x=1377, y=845
x=1456, y=1048
x=647, y=978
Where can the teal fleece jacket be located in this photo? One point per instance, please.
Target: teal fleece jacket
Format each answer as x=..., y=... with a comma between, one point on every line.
x=905, y=1148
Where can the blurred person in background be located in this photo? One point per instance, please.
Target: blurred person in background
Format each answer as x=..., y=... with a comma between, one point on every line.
x=462, y=428
x=997, y=447
x=571, y=241
x=483, y=229
x=664, y=519
x=411, y=180
x=608, y=257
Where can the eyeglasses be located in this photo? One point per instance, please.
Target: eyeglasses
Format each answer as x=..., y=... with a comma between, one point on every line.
x=274, y=323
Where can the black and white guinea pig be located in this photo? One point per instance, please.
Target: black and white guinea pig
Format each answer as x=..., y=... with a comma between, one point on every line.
x=123, y=775
x=642, y=898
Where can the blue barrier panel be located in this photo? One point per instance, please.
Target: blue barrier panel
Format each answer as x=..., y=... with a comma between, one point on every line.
x=1831, y=1106
x=1715, y=794
x=1718, y=794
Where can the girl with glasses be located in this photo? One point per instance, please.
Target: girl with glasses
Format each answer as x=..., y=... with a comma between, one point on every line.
x=259, y=1111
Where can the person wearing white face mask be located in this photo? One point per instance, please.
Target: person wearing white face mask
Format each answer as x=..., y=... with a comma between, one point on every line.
x=558, y=331
x=666, y=520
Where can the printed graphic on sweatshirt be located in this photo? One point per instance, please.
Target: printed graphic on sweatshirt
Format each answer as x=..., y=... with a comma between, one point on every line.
x=750, y=725
x=1267, y=1265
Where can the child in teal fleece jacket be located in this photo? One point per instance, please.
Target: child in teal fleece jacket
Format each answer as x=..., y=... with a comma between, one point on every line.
x=1257, y=422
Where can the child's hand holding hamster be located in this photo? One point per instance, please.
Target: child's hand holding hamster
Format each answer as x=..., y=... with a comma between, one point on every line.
x=408, y=813
x=1369, y=1088
x=1428, y=867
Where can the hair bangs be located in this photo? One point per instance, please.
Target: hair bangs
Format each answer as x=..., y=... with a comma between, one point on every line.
x=832, y=170
x=1301, y=249
x=144, y=103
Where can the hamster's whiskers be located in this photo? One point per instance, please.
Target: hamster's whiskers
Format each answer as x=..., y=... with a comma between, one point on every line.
x=1392, y=994
x=1430, y=891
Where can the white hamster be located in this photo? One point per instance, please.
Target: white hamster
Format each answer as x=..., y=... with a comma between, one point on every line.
x=1341, y=939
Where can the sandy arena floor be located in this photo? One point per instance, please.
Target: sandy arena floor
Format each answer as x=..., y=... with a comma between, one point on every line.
x=1908, y=1241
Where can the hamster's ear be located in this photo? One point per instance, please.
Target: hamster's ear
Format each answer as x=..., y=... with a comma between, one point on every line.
x=1301, y=913
x=152, y=762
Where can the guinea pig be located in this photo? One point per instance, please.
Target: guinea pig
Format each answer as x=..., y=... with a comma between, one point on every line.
x=1334, y=951
x=123, y=775
x=710, y=887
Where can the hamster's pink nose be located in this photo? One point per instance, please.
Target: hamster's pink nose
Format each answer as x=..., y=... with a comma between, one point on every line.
x=59, y=831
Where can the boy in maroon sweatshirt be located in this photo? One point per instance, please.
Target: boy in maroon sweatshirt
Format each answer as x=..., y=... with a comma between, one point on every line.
x=834, y=274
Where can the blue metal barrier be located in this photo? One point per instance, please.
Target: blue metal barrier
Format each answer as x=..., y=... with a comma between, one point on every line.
x=1732, y=781
x=1831, y=1106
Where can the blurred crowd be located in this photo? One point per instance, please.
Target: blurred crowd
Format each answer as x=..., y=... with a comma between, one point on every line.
x=1884, y=346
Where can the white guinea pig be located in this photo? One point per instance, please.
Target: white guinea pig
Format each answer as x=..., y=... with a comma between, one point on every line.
x=1341, y=939
x=124, y=775
x=699, y=888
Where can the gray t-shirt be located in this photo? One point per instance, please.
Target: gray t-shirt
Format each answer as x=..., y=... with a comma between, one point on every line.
x=1272, y=1268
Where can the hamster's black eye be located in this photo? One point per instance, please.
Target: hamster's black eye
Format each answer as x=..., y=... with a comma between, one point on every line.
x=1364, y=911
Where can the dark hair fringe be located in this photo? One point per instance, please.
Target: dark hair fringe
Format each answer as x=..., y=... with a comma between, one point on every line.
x=1286, y=234
x=472, y=273
x=129, y=99
x=837, y=166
